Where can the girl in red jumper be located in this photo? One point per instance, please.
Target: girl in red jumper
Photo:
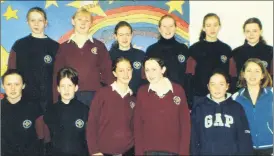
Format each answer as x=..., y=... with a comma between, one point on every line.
x=85, y=54
x=110, y=127
x=161, y=118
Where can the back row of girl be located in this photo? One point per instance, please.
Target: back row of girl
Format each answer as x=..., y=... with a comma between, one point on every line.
x=93, y=62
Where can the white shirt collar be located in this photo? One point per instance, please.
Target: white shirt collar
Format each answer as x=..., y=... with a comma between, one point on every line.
x=115, y=88
x=168, y=87
x=72, y=37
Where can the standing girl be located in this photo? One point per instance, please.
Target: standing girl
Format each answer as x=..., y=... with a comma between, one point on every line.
x=256, y=97
x=170, y=50
x=208, y=54
x=34, y=56
x=85, y=54
x=219, y=124
x=122, y=47
x=161, y=118
x=254, y=47
x=110, y=125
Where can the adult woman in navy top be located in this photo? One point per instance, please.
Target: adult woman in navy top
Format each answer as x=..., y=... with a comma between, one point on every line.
x=123, y=48
x=254, y=47
x=256, y=96
x=208, y=54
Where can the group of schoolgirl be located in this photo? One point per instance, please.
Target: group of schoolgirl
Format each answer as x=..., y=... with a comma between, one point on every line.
x=127, y=102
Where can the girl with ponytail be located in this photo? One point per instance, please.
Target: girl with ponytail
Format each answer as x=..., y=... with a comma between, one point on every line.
x=208, y=54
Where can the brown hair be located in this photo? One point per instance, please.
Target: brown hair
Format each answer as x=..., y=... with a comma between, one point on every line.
x=256, y=21
x=219, y=72
x=39, y=10
x=67, y=72
x=160, y=22
x=166, y=16
x=13, y=72
x=118, y=60
x=115, y=44
x=203, y=34
x=160, y=61
x=265, y=82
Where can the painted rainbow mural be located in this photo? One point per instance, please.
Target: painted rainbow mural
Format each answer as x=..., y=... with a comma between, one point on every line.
x=133, y=14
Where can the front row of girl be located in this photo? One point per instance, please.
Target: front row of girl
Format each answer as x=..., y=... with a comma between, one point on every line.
x=156, y=123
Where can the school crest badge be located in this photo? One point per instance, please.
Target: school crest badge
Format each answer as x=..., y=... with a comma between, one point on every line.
x=47, y=59
x=265, y=64
x=27, y=124
x=177, y=100
x=94, y=50
x=181, y=58
x=79, y=123
x=137, y=65
x=223, y=58
x=132, y=104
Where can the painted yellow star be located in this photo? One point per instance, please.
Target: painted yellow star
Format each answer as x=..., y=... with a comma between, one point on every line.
x=51, y=2
x=91, y=6
x=10, y=13
x=175, y=6
x=75, y=4
x=4, y=60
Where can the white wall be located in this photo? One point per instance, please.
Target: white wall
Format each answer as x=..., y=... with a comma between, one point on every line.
x=233, y=14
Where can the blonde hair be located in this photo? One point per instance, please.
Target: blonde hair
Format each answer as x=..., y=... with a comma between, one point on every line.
x=82, y=10
x=265, y=82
